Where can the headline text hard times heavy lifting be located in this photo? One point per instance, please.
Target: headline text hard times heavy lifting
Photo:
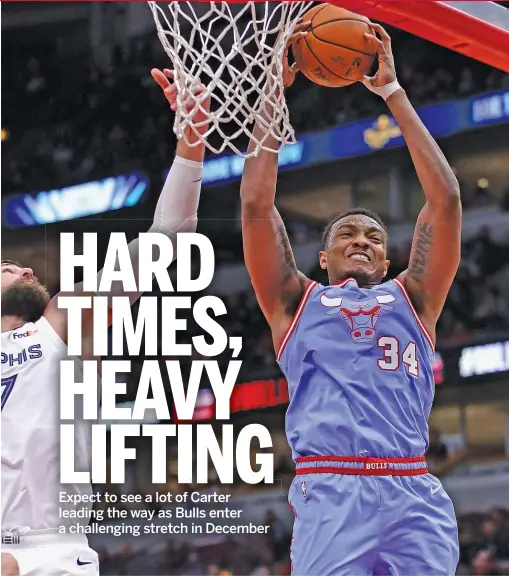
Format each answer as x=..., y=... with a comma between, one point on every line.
x=101, y=296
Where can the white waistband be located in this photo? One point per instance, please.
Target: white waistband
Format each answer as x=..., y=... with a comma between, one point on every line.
x=39, y=538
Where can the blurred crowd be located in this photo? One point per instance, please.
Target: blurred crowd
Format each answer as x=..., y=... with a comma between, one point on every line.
x=251, y=556
x=484, y=543
x=478, y=298
x=68, y=119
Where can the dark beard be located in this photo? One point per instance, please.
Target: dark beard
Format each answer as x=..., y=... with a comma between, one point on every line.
x=25, y=300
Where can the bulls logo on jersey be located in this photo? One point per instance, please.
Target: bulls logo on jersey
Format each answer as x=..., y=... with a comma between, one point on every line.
x=360, y=317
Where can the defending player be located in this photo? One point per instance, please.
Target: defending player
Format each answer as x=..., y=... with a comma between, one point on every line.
x=34, y=331
x=357, y=356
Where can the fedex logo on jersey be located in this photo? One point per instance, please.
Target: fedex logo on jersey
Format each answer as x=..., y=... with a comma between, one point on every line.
x=24, y=334
x=361, y=317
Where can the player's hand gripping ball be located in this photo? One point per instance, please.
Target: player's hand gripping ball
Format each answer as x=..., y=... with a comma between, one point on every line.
x=386, y=68
x=338, y=50
x=299, y=33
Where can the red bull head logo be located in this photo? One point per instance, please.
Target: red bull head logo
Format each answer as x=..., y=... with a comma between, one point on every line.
x=361, y=317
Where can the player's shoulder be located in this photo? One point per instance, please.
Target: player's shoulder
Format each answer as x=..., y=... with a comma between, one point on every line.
x=48, y=333
x=24, y=331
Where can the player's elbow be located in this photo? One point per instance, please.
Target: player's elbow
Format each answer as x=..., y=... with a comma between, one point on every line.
x=256, y=206
x=189, y=224
x=452, y=190
x=453, y=201
x=448, y=200
x=172, y=227
x=256, y=196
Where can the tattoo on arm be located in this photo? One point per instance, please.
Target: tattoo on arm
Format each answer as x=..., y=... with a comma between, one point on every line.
x=285, y=251
x=423, y=240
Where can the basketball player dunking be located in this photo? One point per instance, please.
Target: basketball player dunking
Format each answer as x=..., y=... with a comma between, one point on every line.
x=357, y=356
x=34, y=334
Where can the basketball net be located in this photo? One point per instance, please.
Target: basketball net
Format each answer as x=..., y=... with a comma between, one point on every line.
x=236, y=51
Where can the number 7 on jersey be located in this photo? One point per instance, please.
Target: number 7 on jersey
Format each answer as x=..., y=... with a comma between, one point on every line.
x=7, y=386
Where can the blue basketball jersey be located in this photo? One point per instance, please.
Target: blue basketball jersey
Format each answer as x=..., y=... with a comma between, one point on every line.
x=358, y=363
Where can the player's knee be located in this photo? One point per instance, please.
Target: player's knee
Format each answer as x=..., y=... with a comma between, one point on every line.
x=9, y=565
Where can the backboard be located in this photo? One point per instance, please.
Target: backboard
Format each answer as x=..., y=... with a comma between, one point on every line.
x=479, y=30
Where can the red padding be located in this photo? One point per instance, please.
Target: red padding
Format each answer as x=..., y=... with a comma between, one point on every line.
x=441, y=24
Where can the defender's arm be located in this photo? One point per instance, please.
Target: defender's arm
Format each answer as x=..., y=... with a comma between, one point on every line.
x=176, y=209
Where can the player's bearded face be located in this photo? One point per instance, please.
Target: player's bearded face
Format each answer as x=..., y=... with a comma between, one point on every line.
x=23, y=297
x=357, y=249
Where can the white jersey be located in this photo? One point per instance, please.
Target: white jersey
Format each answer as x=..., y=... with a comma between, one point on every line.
x=31, y=358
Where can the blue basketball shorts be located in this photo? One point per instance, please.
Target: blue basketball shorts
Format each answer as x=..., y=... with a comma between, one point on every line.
x=368, y=516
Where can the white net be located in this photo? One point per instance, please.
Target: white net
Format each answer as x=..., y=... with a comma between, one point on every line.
x=236, y=51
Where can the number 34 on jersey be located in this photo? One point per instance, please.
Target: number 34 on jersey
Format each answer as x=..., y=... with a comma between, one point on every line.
x=394, y=355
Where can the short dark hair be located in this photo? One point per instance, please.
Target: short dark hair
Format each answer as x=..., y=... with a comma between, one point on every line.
x=354, y=211
x=12, y=263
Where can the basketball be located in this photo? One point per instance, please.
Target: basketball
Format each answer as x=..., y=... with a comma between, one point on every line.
x=335, y=51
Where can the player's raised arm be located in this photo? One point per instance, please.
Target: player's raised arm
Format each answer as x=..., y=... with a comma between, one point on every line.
x=436, y=247
x=176, y=209
x=267, y=252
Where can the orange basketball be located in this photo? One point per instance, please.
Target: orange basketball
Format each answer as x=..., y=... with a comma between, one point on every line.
x=335, y=52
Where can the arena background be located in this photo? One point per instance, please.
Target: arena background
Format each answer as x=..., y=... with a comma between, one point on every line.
x=79, y=106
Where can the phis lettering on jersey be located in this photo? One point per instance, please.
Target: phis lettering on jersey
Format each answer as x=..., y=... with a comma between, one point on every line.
x=154, y=331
